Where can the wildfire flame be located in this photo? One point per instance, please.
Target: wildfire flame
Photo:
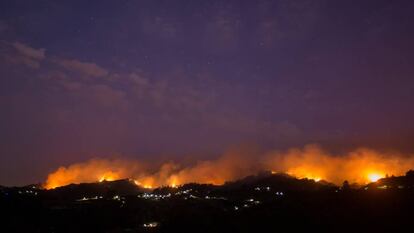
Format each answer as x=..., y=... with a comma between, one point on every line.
x=374, y=177
x=109, y=176
x=360, y=166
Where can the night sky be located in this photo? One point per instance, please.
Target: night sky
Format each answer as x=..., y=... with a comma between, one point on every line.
x=189, y=79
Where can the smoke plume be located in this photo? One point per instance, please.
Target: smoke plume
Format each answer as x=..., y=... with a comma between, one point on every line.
x=361, y=165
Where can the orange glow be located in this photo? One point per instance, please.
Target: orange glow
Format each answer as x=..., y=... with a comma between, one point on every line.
x=147, y=186
x=310, y=173
x=92, y=171
x=137, y=183
x=374, y=177
x=317, y=179
x=358, y=166
x=308, y=176
x=146, y=182
x=173, y=182
x=108, y=176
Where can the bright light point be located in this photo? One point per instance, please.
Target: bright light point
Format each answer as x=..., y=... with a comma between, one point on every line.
x=150, y=225
x=374, y=177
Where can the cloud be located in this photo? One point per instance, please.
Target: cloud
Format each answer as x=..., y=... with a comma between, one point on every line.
x=27, y=51
x=19, y=53
x=84, y=68
x=100, y=94
x=138, y=80
x=171, y=97
x=71, y=76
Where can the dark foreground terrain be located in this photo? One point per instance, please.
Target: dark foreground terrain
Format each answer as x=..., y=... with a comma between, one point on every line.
x=262, y=203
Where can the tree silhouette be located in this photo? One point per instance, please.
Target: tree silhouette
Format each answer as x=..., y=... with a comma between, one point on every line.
x=345, y=185
x=410, y=173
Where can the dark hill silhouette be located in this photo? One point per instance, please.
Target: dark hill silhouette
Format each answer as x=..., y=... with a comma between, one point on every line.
x=279, y=181
x=394, y=182
x=259, y=203
x=104, y=189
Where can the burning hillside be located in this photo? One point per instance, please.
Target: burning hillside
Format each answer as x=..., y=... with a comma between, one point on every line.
x=361, y=165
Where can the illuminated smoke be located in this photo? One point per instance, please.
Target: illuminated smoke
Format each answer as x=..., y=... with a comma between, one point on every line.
x=231, y=166
x=92, y=171
x=361, y=166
